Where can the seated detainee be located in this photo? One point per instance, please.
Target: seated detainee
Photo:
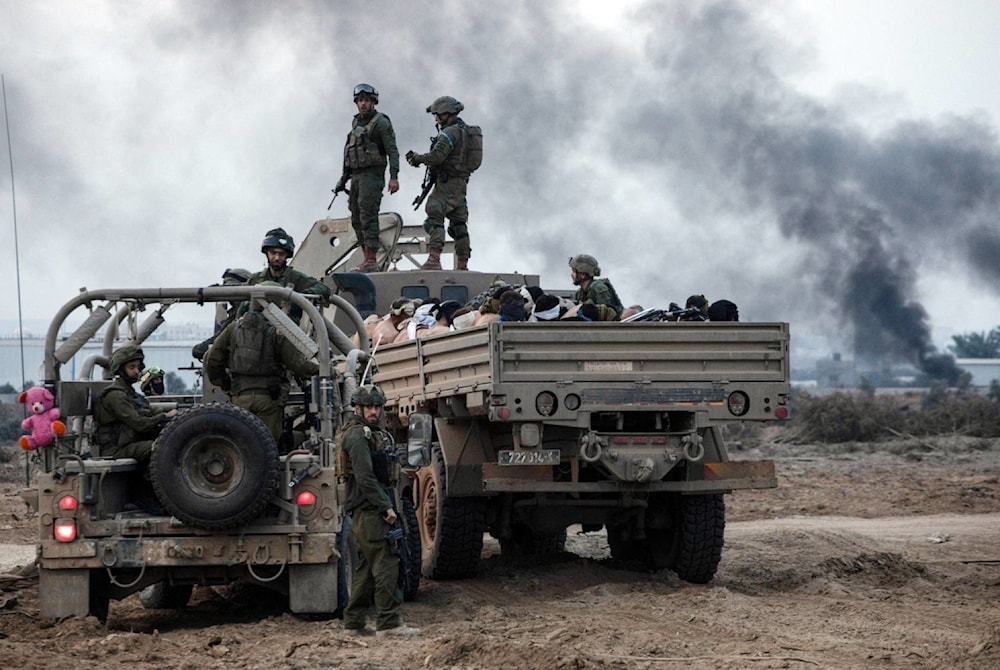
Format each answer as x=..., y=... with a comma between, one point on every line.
x=464, y=317
x=126, y=424
x=423, y=319
x=631, y=311
x=443, y=322
x=723, y=310
x=547, y=308
x=371, y=322
x=386, y=330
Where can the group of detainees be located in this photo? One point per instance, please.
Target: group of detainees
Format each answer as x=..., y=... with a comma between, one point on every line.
x=595, y=300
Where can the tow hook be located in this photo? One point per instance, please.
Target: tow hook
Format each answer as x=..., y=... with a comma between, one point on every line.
x=694, y=448
x=591, y=447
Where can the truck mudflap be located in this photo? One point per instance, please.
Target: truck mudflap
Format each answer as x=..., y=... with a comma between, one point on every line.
x=715, y=478
x=137, y=552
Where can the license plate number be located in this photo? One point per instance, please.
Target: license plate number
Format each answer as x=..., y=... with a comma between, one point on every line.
x=537, y=457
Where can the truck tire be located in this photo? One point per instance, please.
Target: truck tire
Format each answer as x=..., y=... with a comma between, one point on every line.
x=451, y=529
x=410, y=563
x=692, y=547
x=214, y=466
x=164, y=596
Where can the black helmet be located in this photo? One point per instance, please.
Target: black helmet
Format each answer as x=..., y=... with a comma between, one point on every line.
x=125, y=354
x=445, y=105
x=585, y=264
x=366, y=91
x=277, y=238
x=367, y=396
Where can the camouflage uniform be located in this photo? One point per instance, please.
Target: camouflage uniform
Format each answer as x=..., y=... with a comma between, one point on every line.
x=376, y=574
x=249, y=360
x=300, y=281
x=446, y=160
x=126, y=424
x=600, y=292
x=371, y=145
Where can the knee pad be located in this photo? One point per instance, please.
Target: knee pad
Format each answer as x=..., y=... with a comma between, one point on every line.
x=429, y=227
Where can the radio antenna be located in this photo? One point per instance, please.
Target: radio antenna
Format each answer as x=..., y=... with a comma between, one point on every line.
x=17, y=258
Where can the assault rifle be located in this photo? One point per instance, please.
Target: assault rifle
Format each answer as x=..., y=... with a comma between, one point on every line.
x=396, y=538
x=429, y=180
x=341, y=186
x=673, y=313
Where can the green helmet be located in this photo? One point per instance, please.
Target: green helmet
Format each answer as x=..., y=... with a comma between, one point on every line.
x=585, y=264
x=236, y=276
x=445, y=105
x=125, y=354
x=369, y=395
x=277, y=238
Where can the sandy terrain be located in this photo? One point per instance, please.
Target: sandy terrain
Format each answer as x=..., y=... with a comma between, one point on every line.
x=865, y=556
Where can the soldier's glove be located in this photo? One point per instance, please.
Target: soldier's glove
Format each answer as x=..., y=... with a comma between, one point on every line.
x=341, y=184
x=412, y=158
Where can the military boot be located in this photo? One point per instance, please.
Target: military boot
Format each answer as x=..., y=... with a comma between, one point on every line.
x=461, y=263
x=370, y=264
x=433, y=260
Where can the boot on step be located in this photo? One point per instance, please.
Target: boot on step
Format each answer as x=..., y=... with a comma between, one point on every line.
x=370, y=264
x=433, y=260
x=461, y=263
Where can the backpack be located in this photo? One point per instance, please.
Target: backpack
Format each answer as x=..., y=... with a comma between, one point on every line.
x=472, y=148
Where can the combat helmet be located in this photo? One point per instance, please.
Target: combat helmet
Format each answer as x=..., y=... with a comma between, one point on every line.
x=445, y=105
x=234, y=276
x=277, y=238
x=585, y=264
x=125, y=354
x=367, y=91
x=367, y=396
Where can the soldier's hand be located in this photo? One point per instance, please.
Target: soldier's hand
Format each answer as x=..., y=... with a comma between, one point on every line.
x=393, y=185
x=411, y=158
x=389, y=516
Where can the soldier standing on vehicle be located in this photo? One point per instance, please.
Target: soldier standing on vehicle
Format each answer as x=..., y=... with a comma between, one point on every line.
x=370, y=471
x=279, y=246
x=126, y=424
x=250, y=360
x=584, y=271
x=371, y=145
x=455, y=154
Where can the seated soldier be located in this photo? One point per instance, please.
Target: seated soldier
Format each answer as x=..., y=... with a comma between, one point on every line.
x=584, y=271
x=126, y=424
x=151, y=382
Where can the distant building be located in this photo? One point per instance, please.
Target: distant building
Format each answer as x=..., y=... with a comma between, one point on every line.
x=836, y=373
x=983, y=370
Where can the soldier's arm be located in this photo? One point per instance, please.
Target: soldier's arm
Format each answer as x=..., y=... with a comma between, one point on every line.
x=361, y=465
x=388, y=139
x=293, y=359
x=120, y=406
x=305, y=284
x=443, y=146
x=218, y=358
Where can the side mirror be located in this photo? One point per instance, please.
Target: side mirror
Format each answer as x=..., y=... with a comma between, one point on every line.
x=418, y=443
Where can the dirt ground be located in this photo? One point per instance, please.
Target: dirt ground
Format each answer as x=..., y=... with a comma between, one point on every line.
x=865, y=556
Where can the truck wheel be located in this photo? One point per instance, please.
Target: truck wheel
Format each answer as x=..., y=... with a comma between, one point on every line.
x=692, y=547
x=214, y=466
x=410, y=564
x=451, y=529
x=164, y=596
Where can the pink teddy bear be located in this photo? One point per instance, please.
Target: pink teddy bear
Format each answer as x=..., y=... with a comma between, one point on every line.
x=44, y=422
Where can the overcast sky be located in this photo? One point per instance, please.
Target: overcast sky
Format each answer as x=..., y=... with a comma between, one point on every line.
x=831, y=163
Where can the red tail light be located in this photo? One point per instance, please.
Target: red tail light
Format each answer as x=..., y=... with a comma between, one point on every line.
x=65, y=530
x=67, y=503
x=305, y=499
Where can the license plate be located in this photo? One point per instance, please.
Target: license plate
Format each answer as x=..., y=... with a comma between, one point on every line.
x=537, y=457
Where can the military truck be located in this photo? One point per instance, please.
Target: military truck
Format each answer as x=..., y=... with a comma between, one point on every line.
x=236, y=508
x=537, y=426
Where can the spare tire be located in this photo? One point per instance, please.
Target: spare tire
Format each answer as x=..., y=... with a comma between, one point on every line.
x=214, y=466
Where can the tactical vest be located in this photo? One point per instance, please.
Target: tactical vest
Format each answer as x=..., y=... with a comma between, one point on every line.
x=383, y=464
x=361, y=150
x=253, y=363
x=616, y=303
x=110, y=431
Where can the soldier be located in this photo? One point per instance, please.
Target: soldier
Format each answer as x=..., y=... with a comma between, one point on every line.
x=250, y=361
x=371, y=145
x=584, y=271
x=451, y=160
x=126, y=424
x=279, y=246
x=231, y=277
x=151, y=381
x=369, y=472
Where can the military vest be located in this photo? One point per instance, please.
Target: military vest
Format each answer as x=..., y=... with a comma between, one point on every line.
x=361, y=150
x=252, y=361
x=110, y=431
x=383, y=464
